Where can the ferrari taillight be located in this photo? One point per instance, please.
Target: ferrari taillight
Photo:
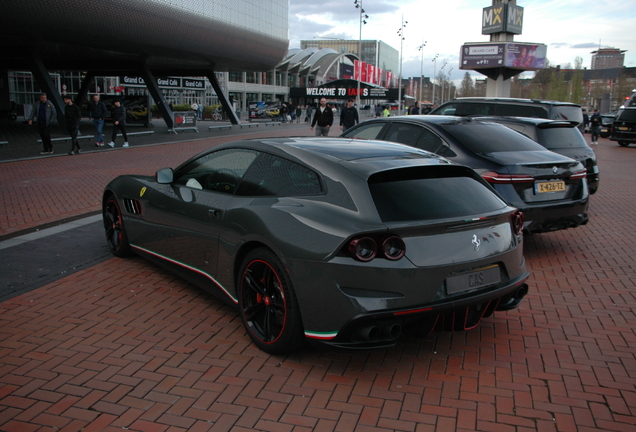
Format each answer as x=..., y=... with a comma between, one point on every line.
x=363, y=249
x=517, y=220
x=367, y=248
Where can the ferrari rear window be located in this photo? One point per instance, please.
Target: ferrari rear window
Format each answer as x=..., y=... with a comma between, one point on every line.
x=412, y=195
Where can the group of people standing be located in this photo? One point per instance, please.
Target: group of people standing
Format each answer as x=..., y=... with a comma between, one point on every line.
x=43, y=113
x=323, y=117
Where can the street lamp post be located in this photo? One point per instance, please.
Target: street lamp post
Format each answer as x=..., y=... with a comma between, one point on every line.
x=363, y=20
x=401, y=34
x=421, y=48
x=450, y=69
x=434, y=76
x=441, y=90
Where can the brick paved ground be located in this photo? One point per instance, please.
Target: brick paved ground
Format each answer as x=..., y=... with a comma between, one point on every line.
x=124, y=344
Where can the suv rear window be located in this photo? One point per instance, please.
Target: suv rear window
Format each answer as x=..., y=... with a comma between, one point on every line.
x=431, y=193
x=561, y=137
x=490, y=137
x=567, y=112
x=627, y=115
x=512, y=110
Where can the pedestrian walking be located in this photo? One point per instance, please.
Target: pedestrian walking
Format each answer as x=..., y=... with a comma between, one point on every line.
x=118, y=113
x=97, y=113
x=586, y=121
x=386, y=112
x=284, y=113
x=595, y=126
x=323, y=119
x=378, y=111
x=299, y=112
x=348, y=116
x=415, y=109
x=308, y=114
x=72, y=117
x=44, y=112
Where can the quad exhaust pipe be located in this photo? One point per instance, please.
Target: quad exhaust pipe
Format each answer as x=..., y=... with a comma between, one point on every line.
x=374, y=333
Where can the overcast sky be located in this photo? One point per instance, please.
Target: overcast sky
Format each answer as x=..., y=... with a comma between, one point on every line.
x=570, y=29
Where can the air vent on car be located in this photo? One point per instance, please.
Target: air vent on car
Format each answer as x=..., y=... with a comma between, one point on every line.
x=132, y=206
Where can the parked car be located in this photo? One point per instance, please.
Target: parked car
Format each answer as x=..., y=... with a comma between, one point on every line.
x=327, y=240
x=517, y=107
x=607, y=120
x=624, y=127
x=558, y=136
x=549, y=188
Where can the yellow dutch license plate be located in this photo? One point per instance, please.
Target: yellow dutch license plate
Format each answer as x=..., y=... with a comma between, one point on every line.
x=623, y=128
x=553, y=186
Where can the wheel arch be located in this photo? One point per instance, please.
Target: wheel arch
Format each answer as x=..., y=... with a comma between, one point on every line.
x=242, y=253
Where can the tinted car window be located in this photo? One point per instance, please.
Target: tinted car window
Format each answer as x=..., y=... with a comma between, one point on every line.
x=469, y=109
x=370, y=131
x=520, y=111
x=404, y=133
x=415, y=136
x=555, y=138
x=627, y=115
x=490, y=137
x=523, y=129
x=219, y=171
x=421, y=195
x=566, y=112
x=274, y=176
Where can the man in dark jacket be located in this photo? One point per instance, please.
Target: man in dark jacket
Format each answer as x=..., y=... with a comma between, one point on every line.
x=73, y=116
x=595, y=126
x=44, y=112
x=97, y=112
x=118, y=113
x=348, y=116
x=324, y=119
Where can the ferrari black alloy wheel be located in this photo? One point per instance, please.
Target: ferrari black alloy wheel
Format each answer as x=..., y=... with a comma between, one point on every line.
x=268, y=305
x=114, y=228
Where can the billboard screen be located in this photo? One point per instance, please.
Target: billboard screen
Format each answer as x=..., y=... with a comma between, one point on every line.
x=526, y=56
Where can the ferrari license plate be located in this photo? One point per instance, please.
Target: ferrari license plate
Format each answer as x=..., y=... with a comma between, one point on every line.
x=623, y=128
x=553, y=186
x=474, y=279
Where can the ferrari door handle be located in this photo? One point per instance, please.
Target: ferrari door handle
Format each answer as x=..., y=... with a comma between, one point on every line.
x=215, y=213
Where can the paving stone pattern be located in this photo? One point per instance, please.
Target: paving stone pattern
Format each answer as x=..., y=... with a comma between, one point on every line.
x=126, y=345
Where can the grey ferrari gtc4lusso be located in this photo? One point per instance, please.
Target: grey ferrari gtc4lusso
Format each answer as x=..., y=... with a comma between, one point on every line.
x=344, y=242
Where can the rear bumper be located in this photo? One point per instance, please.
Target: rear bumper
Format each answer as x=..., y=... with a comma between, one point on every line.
x=380, y=329
x=623, y=136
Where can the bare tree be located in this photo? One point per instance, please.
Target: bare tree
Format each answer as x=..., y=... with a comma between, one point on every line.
x=467, y=88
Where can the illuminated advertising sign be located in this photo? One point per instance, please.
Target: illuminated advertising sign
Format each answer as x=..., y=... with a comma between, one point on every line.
x=343, y=92
x=482, y=56
x=526, y=56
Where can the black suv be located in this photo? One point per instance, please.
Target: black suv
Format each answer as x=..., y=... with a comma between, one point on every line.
x=607, y=120
x=558, y=136
x=482, y=106
x=624, y=127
